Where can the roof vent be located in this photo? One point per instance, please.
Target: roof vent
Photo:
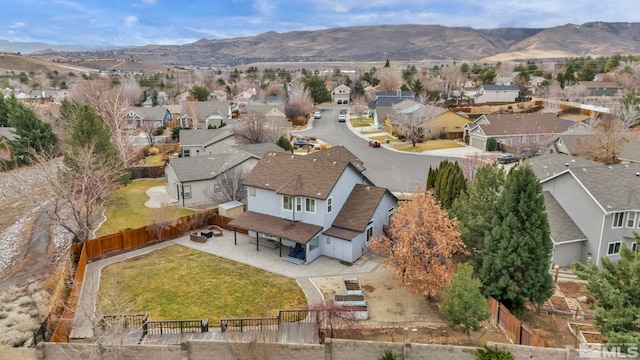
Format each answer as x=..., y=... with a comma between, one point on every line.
x=638, y=174
x=584, y=170
x=626, y=166
x=335, y=162
x=610, y=168
x=567, y=164
x=315, y=160
x=573, y=160
x=293, y=156
x=267, y=184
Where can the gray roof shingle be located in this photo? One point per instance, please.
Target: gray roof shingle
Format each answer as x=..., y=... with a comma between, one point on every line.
x=359, y=207
x=523, y=124
x=562, y=228
x=615, y=187
x=206, y=167
x=549, y=165
x=201, y=137
x=297, y=231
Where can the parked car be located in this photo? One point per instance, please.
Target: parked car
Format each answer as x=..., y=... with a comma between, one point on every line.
x=316, y=115
x=342, y=118
x=507, y=158
x=374, y=143
x=302, y=143
x=339, y=102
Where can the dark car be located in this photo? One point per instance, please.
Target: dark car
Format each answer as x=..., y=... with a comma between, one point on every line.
x=302, y=143
x=374, y=143
x=507, y=158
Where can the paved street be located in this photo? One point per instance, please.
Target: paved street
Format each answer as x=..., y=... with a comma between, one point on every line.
x=397, y=171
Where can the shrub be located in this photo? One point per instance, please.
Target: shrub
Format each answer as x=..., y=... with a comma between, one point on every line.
x=153, y=150
x=159, y=130
x=388, y=355
x=487, y=353
x=284, y=144
x=492, y=144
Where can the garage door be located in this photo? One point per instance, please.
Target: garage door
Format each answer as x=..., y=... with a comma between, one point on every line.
x=478, y=143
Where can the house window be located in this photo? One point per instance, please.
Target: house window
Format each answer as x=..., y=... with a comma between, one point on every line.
x=314, y=243
x=311, y=205
x=186, y=153
x=631, y=219
x=252, y=191
x=287, y=203
x=614, y=248
x=186, y=191
x=521, y=138
x=299, y=204
x=329, y=204
x=390, y=213
x=617, y=220
x=369, y=230
x=634, y=247
x=560, y=141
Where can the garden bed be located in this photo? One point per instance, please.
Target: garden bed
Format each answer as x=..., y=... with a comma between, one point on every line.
x=352, y=286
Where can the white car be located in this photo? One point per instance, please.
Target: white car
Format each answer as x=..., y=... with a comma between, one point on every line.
x=316, y=115
x=342, y=118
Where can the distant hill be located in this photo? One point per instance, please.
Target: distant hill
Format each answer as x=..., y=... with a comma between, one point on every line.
x=29, y=47
x=395, y=42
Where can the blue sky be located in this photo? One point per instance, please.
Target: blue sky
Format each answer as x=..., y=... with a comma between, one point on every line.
x=143, y=22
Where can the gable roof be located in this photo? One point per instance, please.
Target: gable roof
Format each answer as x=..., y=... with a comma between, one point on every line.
x=206, y=108
x=297, y=175
x=492, y=87
x=340, y=153
x=550, y=165
x=563, y=229
x=359, y=207
x=297, y=231
x=631, y=151
x=150, y=113
x=196, y=168
x=198, y=137
x=614, y=187
x=577, y=137
x=598, y=84
x=521, y=124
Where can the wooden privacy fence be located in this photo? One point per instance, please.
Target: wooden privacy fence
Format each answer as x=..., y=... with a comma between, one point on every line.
x=108, y=245
x=514, y=329
x=146, y=172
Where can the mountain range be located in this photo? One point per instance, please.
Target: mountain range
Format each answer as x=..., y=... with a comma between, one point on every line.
x=377, y=43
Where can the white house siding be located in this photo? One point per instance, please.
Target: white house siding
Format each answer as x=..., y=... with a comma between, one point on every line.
x=170, y=182
x=336, y=248
x=497, y=96
x=581, y=208
x=477, y=142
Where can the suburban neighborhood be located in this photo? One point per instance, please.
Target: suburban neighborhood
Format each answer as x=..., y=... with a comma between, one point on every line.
x=389, y=210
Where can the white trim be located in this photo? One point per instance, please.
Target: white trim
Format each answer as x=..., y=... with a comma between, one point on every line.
x=628, y=215
x=613, y=221
x=306, y=208
x=329, y=207
x=600, y=241
x=569, y=242
x=619, y=247
x=282, y=203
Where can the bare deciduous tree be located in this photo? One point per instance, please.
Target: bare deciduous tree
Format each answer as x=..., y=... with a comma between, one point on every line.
x=228, y=186
x=470, y=166
x=607, y=144
x=299, y=101
x=389, y=79
x=162, y=219
x=256, y=128
x=409, y=123
x=335, y=320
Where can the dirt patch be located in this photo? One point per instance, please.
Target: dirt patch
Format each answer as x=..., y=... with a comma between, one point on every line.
x=559, y=303
x=552, y=328
x=389, y=302
x=438, y=335
x=575, y=290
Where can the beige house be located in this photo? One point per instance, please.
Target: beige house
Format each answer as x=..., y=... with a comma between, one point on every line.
x=341, y=94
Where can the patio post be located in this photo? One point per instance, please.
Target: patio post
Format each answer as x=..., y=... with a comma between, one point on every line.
x=257, y=241
x=280, y=247
x=235, y=236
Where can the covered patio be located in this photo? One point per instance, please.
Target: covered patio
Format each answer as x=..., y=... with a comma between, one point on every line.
x=302, y=237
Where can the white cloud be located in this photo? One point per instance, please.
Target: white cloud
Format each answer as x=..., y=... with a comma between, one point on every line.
x=264, y=6
x=17, y=25
x=130, y=20
x=148, y=2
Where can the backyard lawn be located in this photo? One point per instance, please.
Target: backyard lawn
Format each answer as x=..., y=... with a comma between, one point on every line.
x=428, y=145
x=154, y=160
x=126, y=210
x=181, y=283
x=356, y=123
x=382, y=138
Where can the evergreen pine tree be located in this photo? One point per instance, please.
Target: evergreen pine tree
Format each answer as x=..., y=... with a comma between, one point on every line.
x=517, y=251
x=387, y=64
x=87, y=129
x=31, y=133
x=474, y=209
x=450, y=183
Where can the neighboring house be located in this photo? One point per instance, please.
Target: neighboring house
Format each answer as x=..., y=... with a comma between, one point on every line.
x=219, y=95
x=202, y=114
x=630, y=152
x=577, y=140
x=506, y=79
x=515, y=132
x=597, y=88
x=601, y=201
x=447, y=125
x=142, y=117
x=193, y=181
x=496, y=94
x=341, y=93
x=382, y=106
x=321, y=205
x=199, y=142
x=243, y=98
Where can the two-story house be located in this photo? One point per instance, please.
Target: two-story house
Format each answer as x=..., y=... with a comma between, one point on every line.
x=321, y=205
x=341, y=94
x=594, y=208
x=142, y=117
x=196, y=142
x=496, y=94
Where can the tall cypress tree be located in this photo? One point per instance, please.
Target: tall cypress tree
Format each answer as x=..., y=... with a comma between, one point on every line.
x=450, y=183
x=87, y=128
x=517, y=251
x=31, y=133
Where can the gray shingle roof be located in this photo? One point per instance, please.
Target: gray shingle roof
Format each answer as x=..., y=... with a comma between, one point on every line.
x=150, y=113
x=500, y=87
x=297, y=231
x=206, y=108
x=578, y=138
x=340, y=153
x=258, y=150
x=562, y=228
x=615, y=187
x=206, y=167
x=200, y=137
x=549, y=165
x=631, y=150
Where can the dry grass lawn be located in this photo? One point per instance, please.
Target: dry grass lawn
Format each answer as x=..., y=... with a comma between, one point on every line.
x=355, y=122
x=126, y=210
x=428, y=145
x=382, y=138
x=181, y=283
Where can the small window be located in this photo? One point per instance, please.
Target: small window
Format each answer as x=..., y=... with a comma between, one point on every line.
x=186, y=153
x=369, y=230
x=299, y=204
x=617, y=219
x=311, y=205
x=252, y=191
x=186, y=191
x=287, y=203
x=631, y=219
x=329, y=204
x=634, y=247
x=614, y=248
